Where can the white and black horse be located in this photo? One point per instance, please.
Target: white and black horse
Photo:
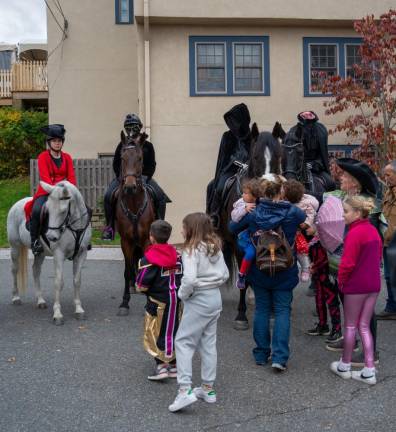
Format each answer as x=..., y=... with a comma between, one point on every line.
x=69, y=237
x=265, y=158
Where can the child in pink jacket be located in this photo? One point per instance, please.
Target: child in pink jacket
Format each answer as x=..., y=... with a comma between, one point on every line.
x=359, y=280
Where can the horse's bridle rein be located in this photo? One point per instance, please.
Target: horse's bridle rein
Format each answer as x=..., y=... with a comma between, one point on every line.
x=133, y=217
x=78, y=233
x=138, y=177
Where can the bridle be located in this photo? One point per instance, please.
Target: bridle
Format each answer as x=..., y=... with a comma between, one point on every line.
x=138, y=177
x=78, y=233
x=134, y=217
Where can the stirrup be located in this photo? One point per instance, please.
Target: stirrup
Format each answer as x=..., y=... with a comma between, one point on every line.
x=37, y=248
x=108, y=233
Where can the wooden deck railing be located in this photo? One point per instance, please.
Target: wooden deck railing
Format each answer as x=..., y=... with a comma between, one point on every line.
x=93, y=177
x=24, y=76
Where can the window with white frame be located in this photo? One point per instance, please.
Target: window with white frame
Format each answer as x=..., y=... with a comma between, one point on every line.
x=353, y=57
x=229, y=65
x=248, y=67
x=323, y=65
x=211, y=76
x=324, y=57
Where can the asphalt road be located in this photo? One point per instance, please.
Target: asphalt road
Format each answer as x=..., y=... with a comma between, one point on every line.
x=92, y=375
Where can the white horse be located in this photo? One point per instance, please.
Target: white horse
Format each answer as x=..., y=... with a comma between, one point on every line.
x=69, y=236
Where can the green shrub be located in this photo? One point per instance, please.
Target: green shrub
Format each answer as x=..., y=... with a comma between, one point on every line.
x=20, y=140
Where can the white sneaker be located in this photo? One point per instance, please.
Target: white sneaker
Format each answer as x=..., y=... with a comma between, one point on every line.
x=358, y=376
x=161, y=373
x=343, y=374
x=208, y=395
x=183, y=399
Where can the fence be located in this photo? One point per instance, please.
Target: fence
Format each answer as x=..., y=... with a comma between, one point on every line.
x=5, y=83
x=93, y=177
x=29, y=76
x=24, y=76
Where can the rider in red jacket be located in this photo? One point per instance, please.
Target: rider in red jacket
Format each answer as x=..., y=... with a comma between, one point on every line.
x=54, y=166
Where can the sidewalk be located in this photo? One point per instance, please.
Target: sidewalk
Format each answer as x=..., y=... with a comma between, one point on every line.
x=97, y=253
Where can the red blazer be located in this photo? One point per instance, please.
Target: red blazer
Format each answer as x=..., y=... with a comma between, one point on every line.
x=51, y=174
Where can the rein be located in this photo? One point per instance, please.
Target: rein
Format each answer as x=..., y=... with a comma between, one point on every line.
x=134, y=217
x=78, y=233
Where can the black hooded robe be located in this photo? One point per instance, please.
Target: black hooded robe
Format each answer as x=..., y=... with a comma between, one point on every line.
x=234, y=145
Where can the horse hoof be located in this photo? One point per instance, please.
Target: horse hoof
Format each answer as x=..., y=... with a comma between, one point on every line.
x=80, y=316
x=241, y=325
x=17, y=302
x=42, y=306
x=58, y=321
x=123, y=311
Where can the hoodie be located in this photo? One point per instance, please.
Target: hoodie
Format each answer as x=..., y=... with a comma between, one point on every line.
x=159, y=272
x=202, y=272
x=161, y=255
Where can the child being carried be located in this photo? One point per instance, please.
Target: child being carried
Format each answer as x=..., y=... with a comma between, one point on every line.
x=246, y=204
x=293, y=191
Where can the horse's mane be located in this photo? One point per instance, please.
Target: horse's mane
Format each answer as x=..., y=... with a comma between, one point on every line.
x=65, y=185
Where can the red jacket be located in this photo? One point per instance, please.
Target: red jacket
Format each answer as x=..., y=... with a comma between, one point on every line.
x=51, y=174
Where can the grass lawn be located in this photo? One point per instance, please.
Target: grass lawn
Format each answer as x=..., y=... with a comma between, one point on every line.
x=13, y=190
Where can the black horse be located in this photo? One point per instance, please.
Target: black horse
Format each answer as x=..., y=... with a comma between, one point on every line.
x=309, y=166
x=264, y=158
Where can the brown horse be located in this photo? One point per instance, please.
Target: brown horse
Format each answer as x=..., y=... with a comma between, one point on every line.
x=265, y=157
x=134, y=212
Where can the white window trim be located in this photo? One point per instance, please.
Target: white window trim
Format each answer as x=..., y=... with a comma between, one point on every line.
x=253, y=92
x=206, y=92
x=337, y=45
x=345, y=54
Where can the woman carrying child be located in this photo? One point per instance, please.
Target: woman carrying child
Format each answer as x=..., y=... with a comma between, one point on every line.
x=204, y=272
x=272, y=292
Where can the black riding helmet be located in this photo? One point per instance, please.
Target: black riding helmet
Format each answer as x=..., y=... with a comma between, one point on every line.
x=132, y=124
x=54, y=131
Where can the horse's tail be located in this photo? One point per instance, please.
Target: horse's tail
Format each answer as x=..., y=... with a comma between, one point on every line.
x=231, y=263
x=22, y=270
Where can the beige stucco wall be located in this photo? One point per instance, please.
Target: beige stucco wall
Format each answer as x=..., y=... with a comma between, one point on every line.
x=92, y=76
x=186, y=131
x=272, y=9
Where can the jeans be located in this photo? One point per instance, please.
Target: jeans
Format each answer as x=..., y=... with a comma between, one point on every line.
x=391, y=300
x=266, y=301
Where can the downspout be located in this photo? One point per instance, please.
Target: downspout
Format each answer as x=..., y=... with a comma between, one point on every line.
x=147, y=89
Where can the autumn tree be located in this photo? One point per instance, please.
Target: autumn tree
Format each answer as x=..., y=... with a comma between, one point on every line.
x=368, y=94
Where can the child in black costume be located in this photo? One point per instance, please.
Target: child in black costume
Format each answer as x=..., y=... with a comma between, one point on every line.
x=160, y=272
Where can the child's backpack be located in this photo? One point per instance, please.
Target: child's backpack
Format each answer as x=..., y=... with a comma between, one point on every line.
x=273, y=251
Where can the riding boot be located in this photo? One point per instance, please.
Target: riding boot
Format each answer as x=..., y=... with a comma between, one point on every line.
x=37, y=247
x=161, y=209
x=108, y=231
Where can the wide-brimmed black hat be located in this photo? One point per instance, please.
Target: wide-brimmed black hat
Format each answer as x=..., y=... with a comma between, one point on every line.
x=54, y=131
x=361, y=172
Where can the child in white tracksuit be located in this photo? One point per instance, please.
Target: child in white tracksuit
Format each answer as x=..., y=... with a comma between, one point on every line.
x=204, y=271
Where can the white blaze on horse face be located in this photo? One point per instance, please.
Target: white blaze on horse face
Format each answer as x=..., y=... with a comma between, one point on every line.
x=267, y=157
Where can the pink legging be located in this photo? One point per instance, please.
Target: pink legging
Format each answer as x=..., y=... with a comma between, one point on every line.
x=358, y=311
